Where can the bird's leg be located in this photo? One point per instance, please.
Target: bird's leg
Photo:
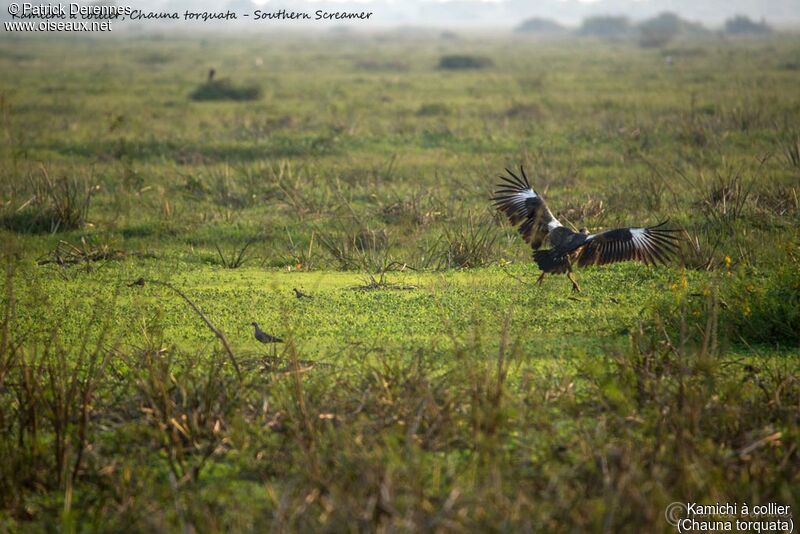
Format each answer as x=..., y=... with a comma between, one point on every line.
x=540, y=279
x=575, y=287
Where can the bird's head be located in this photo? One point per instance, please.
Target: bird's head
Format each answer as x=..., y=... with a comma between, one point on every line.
x=584, y=231
x=254, y=324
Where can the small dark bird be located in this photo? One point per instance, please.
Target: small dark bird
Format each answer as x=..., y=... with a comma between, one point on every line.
x=263, y=337
x=211, y=73
x=137, y=282
x=524, y=207
x=299, y=294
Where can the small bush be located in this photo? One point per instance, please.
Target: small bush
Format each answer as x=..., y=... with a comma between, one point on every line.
x=461, y=62
x=225, y=90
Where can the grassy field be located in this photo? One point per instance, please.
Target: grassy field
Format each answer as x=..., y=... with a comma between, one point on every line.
x=428, y=383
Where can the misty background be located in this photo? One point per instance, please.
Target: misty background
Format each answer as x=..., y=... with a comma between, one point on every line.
x=779, y=14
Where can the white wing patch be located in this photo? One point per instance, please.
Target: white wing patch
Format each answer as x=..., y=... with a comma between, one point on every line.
x=649, y=245
x=639, y=238
x=518, y=199
x=638, y=235
x=524, y=208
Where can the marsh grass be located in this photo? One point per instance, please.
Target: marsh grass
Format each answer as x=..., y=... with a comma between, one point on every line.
x=416, y=209
x=188, y=408
x=55, y=204
x=465, y=243
x=727, y=197
x=293, y=183
x=471, y=436
x=753, y=307
x=779, y=200
x=300, y=256
x=53, y=387
x=791, y=151
x=701, y=250
x=477, y=401
x=238, y=256
x=356, y=246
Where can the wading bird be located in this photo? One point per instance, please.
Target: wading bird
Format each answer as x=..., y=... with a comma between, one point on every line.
x=263, y=337
x=524, y=207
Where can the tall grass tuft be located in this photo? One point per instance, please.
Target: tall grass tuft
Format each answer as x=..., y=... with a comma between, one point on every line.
x=791, y=151
x=465, y=243
x=238, y=256
x=725, y=198
x=56, y=204
x=355, y=246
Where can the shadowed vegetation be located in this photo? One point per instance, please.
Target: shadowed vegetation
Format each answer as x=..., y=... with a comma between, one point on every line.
x=459, y=62
x=225, y=90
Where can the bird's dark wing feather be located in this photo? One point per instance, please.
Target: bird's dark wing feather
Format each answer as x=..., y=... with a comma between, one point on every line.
x=649, y=245
x=524, y=207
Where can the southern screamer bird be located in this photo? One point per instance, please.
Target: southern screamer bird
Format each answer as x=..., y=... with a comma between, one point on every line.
x=525, y=207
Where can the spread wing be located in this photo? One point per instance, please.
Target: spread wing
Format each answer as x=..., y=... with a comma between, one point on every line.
x=649, y=245
x=522, y=205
